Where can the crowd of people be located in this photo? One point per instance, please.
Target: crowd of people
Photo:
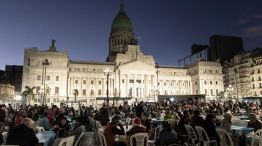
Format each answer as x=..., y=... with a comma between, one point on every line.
x=20, y=124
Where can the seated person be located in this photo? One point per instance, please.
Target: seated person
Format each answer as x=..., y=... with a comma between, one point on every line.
x=63, y=123
x=136, y=128
x=44, y=122
x=254, y=123
x=23, y=134
x=167, y=136
x=112, y=129
x=145, y=121
x=60, y=134
x=77, y=129
x=226, y=122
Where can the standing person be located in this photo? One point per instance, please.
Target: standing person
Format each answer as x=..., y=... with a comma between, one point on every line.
x=104, y=115
x=139, y=109
x=112, y=129
x=23, y=134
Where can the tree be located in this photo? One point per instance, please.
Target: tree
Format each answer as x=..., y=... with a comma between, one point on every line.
x=76, y=93
x=221, y=95
x=29, y=93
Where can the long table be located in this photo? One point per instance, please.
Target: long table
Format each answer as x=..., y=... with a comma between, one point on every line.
x=44, y=136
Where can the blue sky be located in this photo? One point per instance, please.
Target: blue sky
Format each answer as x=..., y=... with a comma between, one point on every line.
x=166, y=28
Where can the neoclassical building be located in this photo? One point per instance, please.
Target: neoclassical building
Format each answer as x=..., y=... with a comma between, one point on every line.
x=130, y=73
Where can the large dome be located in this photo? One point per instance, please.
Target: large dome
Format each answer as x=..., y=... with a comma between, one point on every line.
x=121, y=23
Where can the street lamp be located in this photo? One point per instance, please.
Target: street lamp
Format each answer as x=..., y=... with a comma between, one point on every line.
x=230, y=90
x=235, y=72
x=44, y=63
x=107, y=72
x=157, y=84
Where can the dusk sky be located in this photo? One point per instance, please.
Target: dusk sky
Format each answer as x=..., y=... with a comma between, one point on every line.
x=166, y=28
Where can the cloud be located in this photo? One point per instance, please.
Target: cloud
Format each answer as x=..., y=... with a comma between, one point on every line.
x=258, y=16
x=253, y=31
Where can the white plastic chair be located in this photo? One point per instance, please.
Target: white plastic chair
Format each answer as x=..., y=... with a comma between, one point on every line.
x=203, y=136
x=225, y=138
x=69, y=141
x=158, y=129
x=256, y=140
x=77, y=141
x=191, y=134
x=259, y=132
x=4, y=137
x=140, y=138
x=102, y=138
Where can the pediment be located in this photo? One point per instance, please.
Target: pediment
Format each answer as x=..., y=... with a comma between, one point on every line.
x=137, y=65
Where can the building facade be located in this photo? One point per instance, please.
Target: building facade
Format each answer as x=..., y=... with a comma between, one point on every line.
x=243, y=74
x=127, y=73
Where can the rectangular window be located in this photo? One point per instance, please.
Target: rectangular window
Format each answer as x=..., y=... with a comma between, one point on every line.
x=99, y=92
x=99, y=82
x=138, y=81
x=76, y=81
x=84, y=81
x=211, y=91
x=216, y=91
x=84, y=91
x=131, y=81
x=57, y=78
x=211, y=82
x=92, y=82
x=123, y=81
x=38, y=77
x=196, y=91
x=48, y=78
x=56, y=90
x=206, y=91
